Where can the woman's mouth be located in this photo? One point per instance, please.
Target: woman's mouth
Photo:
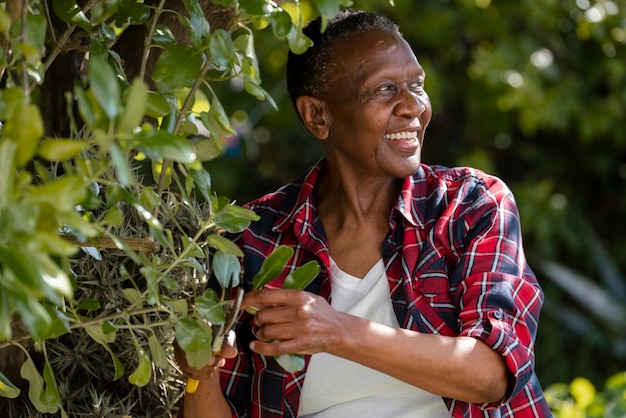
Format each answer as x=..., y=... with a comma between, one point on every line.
x=406, y=135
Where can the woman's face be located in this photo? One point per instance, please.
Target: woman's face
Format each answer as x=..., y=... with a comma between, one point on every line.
x=377, y=108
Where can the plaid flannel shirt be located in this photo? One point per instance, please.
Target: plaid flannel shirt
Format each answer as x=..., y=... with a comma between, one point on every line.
x=455, y=266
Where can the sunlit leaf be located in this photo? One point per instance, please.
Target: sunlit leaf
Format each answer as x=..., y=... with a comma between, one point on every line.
x=234, y=218
x=24, y=127
x=199, y=359
x=60, y=149
x=36, y=387
x=302, y=276
x=142, y=374
x=192, y=334
x=224, y=244
x=209, y=149
x=159, y=145
x=163, y=35
x=272, y=266
x=63, y=194
x=7, y=388
x=132, y=13
x=256, y=7
x=68, y=11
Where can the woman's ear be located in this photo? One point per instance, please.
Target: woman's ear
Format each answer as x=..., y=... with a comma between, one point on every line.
x=314, y=115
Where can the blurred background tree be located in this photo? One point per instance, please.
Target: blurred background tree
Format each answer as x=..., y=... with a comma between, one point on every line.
x=533, y=91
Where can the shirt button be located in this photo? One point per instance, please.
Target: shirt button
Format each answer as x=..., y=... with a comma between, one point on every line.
x=498, y=314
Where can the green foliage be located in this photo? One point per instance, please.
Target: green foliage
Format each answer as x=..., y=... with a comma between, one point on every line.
x=110, y=229
x=581, y=399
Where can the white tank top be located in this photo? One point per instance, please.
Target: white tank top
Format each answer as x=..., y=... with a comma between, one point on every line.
x=339, y=388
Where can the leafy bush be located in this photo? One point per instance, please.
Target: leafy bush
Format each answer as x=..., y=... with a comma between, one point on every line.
x=580, y=398
x=108, y=224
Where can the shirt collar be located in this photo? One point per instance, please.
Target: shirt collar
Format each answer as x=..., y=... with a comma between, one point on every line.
x=304, y=208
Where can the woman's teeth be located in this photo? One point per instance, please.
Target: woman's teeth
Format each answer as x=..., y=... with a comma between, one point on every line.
x=401, y=135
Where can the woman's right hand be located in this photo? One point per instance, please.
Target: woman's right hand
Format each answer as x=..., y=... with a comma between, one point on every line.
x=208, y=371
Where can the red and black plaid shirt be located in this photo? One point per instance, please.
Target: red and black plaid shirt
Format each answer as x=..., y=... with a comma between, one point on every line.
x=455, y=265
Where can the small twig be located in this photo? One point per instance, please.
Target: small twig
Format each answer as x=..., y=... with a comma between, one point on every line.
x=146, y=55
x=147, y=245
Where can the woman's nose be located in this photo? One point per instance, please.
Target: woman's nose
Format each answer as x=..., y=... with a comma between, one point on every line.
x=411, y=104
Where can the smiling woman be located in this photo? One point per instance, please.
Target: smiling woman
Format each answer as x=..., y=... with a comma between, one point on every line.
x=423, y=271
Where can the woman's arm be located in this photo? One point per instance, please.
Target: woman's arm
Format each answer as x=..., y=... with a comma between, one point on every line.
x=462, y=368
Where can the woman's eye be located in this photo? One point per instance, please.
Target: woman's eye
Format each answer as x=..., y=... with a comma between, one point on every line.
x=417, y=87
x=385, y=88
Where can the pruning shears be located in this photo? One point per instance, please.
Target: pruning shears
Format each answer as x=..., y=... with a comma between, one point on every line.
x=221, y=332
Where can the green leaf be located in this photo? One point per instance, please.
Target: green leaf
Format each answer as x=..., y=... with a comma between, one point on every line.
x=60, y=149
x=69, y=12
x=36, y=387
x=132, y=13
x=163, y=36
x=192, y=334
x=298, y=41
x=199, y=359
x=209, y=149
x=272, y=266
x=24, y=127
x=291, y=362
x=159, y=356
x=210, y=308
x=63, y=194
x=224, y=244
x=8, y=150
x=104, y=86
x=222, y=48
x=8, y=389
x=6, y=308
x=161, y=145
x=281, y=24
x=157, y=105
x=327, y=10
x=142, y=374
x=257, y=7
x=5, y=23
x=234, y=218
x=219, y=115
x=131, y=294
x=177, y=67
x=104, y=335
x=85, y=108
x=123, y=171
x=302, y=276
x=226, y=267
x=137, y=96
x=35, y=316
x=202, y=179
x=101, y=334
x=152, y=276
x=198, y=25
x=114, y=217
x=51, y=392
